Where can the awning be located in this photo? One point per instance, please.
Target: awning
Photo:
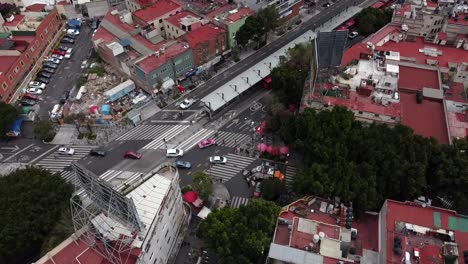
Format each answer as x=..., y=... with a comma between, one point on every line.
x=204, y=212
x=190, y=197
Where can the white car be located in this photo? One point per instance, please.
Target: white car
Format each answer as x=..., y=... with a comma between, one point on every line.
x=73, y=32
x=218, y=160
x=69, y=50
x=34, y=90
x=353, y=35
x=37, y=85
x=53, y=60
x=186, y=103
x=66, y=151
x=174, y=153
x=139, y=98
x=55, y=56
x=84, y=64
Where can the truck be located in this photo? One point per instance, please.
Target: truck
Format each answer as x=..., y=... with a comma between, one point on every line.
x=119, y=91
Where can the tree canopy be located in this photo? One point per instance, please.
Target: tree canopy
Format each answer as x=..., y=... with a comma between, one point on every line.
x=265, y=21
x=8, y=113
x=367, y=164
x=272, y=189
x=241, y=235
x=202, y=185
x=45, y=130
x=31, y=201
x=370, y=20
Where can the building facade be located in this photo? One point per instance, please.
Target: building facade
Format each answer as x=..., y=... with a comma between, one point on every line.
x=25, y=45
x=207, y=43
x=232, y=21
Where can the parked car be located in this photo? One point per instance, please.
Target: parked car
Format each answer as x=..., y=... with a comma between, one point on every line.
x=31, y=97
x=174, y=153
x=67, y=40
x=27, y=102
x=64, y=48
x=64, y=97
x=66, y=151
x=57, y=56
x=84, y=64
x=218, y=160
x=34, y=90
x=206, y=143
x=139, y=98
x=68, y=56
x=186, y=103
x=53, y=60
x=42, y=80
x=59, y=52
x=44, y=74
x=183, y=164
x=258, y=190
x=75, y=32
x=70, y=36
x=97, y=152
x=37, y=85
x=48, y=70
x=50, y=65
x=353, y=35
x=132, y=155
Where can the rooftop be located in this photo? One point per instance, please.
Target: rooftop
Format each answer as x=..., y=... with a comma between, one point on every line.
x=6, y=62
x=415, y=79
x=104, y=35
x=15, y=22
x=424, y=223
x=184, y=15
x=153, y=61
x=157, y=10
x=241, y=13
x=382, y=33
x=36, y=7
x=462, y=19
x=220, y=10
x=202, y=34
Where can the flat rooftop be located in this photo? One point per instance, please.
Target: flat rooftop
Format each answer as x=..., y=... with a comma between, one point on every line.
x=6, y=62
x=157, y=10
x=412, y=78
x=426, y=119
x=152, y=62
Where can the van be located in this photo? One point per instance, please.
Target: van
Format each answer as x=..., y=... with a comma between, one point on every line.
x=55, y=113
x=174, y=153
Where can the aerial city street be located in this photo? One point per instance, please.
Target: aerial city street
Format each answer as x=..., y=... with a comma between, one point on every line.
x=280, y=131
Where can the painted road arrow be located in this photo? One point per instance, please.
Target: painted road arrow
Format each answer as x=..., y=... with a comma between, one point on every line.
x=13, y=149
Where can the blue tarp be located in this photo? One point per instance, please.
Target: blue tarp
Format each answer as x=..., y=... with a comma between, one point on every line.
x=105, y=109
x=125, y=42
x=74, y=23
x=15, y=129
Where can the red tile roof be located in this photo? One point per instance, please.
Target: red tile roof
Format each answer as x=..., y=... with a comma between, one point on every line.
x=104, y=35
x=241, y=13
x=16, y=20
x=354, y=53
x=457, y=93
x=220, y=10
x=175, y=19
x=442, y=35
x=36, y=7
x=378, y=5
x=152, y=62
x=415, y=79
x=6, y=62
x=157, y=10
x=430, y=217
x=416, y=116
x=382, y=33
x=461, y=20
x=405, y=8
x=203, y=34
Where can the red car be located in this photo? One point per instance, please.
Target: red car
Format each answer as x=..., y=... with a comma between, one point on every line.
x=132, y=155
x=258, y=190
x=206, y=143
x=31, y=96
x=59, y=52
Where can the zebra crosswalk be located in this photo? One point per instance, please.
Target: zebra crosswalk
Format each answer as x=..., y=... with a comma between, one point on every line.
x=69, y=176
x=194, y=139
x=118, y=176
x=234, y=165
x=165, y=136
x=237, y=201
x=56, y=162
x=231, y=139
x=291, y=172
x=150, y=132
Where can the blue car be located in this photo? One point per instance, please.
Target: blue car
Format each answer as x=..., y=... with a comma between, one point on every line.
x=183, y=164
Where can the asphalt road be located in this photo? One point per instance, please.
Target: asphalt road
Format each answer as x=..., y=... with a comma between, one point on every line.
x=68, y=72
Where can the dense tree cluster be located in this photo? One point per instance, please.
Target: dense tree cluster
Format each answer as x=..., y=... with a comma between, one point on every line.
x=370, y=20
x=32, y=202
x=45, y=130
x=241, y=235
x=367, y=164
x=8, y=113
x=289, y=77
x=202, y=184
x=258, y=26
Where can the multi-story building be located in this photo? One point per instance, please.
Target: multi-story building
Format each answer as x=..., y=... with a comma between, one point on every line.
x=152, y=17
x=232, y=21
x=288, y=10
x=26, y=40
x=181, y=23
x=208, y=43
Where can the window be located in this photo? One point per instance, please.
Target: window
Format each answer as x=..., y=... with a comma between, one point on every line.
x=4, y=85
x=16, y=69
x=42, y=37
x=46, y=30
x=27, y=56
x=162, y=28
x=151, y=255
x=169, y=240
x=160, y=20
x=167, y=232
x=177, y=31
x=10, y=77
x=37, y=43
x=22, y=63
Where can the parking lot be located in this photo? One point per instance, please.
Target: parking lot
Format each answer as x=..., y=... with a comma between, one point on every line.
x=68, y=71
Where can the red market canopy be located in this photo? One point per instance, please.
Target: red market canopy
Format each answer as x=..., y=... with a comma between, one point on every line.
x=275, y=151
x=190, y=197
x=284, y=150
x=262, y=147
x=269, y=149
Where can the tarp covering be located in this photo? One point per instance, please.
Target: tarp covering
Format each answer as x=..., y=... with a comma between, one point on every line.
x=190, y=197
x=105, y=109
x=204, y=212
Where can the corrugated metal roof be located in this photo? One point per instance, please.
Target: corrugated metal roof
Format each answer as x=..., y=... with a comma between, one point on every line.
x=293, y=255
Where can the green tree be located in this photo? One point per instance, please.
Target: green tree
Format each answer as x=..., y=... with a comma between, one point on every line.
x=241, y=235
x=272, y=189
x=45, y=130
x=370, y=20
x=31, y=201
x=8, y=113
x=269, y=19
x=251, y=30
x=202, y=184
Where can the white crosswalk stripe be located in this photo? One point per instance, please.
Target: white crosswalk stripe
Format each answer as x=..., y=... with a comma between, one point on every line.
x=166, y=135
x=237, y=201
x=111, y=175
x=144, y=132
x=194, y=139
x=291, y=172
x=234, y=165
x=231, y=139
x=56, y=162
x=69, y=176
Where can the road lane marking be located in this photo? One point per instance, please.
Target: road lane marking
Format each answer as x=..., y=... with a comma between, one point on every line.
x=19, y=152
x=43, y=154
